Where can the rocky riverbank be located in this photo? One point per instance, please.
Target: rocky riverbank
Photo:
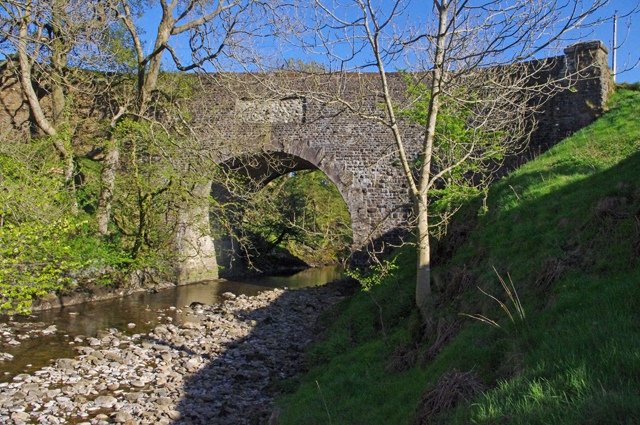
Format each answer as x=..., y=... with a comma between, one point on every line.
x=93, y=291
x=217, y=370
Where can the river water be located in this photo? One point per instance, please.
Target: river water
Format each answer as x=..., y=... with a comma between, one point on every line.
x=144, y=309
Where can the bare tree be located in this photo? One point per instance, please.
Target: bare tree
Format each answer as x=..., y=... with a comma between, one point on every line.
x=209, y=28
x=468, y=73
x=156, y=178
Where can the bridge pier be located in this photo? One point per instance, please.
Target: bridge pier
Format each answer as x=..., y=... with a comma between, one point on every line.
x=195, y=252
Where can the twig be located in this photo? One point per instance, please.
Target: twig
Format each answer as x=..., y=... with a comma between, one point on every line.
x=324, y=402
x=514, y=191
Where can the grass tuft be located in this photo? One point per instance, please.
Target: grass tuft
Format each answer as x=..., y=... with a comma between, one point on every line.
x=452, y=389
x=515, y=300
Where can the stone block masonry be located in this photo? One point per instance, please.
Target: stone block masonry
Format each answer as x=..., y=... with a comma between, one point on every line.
x=359, y=155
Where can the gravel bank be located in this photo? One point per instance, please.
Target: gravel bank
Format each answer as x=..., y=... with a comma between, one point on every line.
x=219, y=370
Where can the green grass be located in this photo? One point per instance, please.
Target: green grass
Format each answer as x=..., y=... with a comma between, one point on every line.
x=566, y=227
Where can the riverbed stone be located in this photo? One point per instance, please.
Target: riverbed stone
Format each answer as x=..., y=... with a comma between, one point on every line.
x=20, y=416
x=164, y=401
x=161, y=347
x=105, y=401
x=133, y=396
x=121, y=417
x=173, y=414
x=30, y=386
x=114, y=356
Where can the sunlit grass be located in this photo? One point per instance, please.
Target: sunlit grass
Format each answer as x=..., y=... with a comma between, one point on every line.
x=566, y=229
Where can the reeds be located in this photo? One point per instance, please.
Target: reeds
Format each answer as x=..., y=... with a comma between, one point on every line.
x=513, y=296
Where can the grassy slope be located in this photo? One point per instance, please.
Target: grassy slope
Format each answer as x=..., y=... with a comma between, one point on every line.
x=566, y=227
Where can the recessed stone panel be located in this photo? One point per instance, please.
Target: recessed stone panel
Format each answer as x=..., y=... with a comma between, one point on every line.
x=282, y=111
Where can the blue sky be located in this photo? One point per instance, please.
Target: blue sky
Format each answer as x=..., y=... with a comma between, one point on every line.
x=628, y=53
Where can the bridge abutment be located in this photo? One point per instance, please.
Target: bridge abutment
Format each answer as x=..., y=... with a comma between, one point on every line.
x=195, y=251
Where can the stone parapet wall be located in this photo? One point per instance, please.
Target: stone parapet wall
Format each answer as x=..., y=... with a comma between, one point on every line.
x=587, y=84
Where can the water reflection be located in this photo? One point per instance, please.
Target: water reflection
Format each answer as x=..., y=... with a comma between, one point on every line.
x=144, y=309
x=308, y=277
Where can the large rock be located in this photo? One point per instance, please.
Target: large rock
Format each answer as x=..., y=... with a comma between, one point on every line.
x=106, y=401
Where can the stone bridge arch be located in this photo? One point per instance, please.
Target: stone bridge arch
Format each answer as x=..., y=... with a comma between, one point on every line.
x=282, y=157
x=359, y=155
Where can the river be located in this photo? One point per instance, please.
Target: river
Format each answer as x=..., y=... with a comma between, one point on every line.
x=144, y=309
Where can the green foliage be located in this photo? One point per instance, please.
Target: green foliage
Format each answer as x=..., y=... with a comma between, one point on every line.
x=39, y=258
x=374, y=275
x=148, y=191
x=628, y=86
x=31, y=182
x=303, y=212
x=47, y=244
x=467, y=151
x=88, y=191
x=33, y=262
x=119, y=44
x=41, y=244
x=565, y=227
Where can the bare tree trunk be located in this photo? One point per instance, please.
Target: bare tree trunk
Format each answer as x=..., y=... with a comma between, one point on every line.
x=62, y=142
x=423, y=276
x=69, y=167
x=150, y=80
x=423, y=271
x=34, y=103
x=59, y=62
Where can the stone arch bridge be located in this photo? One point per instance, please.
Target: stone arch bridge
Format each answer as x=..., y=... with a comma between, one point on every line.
x=246, y=118
x=357, y=154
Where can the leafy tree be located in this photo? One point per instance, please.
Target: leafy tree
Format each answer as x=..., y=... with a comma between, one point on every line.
x=302, y=211
x=42, y=244
x=77, y=60
x=48, y=43
x=212, y=27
